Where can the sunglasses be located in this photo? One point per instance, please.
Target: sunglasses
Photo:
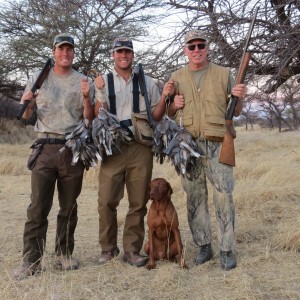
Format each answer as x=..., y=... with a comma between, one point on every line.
x=124, y=50
x=123, y=44
x=64, y=39
x=193, y=47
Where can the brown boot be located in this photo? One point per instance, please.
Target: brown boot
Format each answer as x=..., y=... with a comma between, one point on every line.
x=108, y=255
x=135, y=259
x=66, y=263
x=27, y=269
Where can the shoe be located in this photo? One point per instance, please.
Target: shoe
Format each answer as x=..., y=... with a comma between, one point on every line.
x=228, y=260
x=66, y=263
x=27, y=269
x=205, y=254
x=108, y=255
x=135, y=259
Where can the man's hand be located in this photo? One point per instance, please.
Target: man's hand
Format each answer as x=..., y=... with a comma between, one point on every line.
x=99, y=82
x=29, y=96
x=179, y=101
x=169, y=88
x=239, y=90
x=85, y=88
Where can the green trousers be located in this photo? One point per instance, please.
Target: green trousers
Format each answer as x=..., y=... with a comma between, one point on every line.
x=51, y=168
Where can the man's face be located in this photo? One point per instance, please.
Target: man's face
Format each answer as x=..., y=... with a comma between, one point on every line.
x=123, y=58
x=63, y=55
x=196, y=51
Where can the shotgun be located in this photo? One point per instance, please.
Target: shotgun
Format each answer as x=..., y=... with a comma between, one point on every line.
x=227, y=154
x=37, y=85
x=142, y=84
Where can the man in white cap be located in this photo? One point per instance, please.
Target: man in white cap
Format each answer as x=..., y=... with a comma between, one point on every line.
x=202, y=90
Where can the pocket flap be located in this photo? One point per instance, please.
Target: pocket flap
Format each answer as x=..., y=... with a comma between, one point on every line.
x=215, y=119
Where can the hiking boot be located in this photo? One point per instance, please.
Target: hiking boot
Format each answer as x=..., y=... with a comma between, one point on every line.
x=66, y=263
x=135, y=259
x=228, y=260
x=27, y=269
x=205, y=254
x=108, y=255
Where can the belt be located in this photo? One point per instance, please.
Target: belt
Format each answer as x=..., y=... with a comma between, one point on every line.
x=51, y=135
x=50, y=141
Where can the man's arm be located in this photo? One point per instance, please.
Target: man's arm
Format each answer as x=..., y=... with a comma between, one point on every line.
x=178, y=102
x=88, y=92
x=239, y=91
x=28, y=96
x=160, y=108
x=100, y=94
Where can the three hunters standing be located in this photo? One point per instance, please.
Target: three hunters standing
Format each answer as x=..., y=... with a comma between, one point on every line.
x=66, y=98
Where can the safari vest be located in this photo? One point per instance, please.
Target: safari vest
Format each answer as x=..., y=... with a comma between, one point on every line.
x=204, y=111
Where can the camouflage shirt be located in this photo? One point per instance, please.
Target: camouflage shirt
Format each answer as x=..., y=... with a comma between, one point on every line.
x=59, y=102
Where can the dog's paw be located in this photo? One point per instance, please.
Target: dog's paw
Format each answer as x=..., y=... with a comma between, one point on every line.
x=150, y=265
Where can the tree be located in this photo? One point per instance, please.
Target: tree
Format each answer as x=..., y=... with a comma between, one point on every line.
x=291, y=96
x=28, y=27
x=276, y=37
x=249, y=112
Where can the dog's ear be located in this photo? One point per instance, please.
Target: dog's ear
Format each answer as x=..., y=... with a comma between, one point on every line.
x=170, y=190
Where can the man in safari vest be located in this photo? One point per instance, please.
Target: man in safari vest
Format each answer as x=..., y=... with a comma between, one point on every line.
x=202, y=94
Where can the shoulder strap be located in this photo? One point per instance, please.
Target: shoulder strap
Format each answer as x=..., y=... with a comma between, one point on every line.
x=136, y=93
x=111, y=93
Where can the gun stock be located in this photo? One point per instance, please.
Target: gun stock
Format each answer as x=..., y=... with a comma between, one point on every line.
x=227, y=153
x=37, y=85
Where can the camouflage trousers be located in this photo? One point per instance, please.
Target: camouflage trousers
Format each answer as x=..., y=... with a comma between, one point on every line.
x=221, y=178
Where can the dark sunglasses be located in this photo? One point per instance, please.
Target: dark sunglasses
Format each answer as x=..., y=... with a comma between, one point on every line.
x=64, y=39
x=123, y=50
x=193, y=47
x=123, y=44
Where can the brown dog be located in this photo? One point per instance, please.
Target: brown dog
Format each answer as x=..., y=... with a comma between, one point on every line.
x=164, y=236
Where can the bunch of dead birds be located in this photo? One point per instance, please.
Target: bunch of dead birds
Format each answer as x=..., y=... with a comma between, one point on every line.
x=89, y=142
x=175, y=143
x=107, y=133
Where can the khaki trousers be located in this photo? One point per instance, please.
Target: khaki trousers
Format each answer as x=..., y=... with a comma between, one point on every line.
x=52, y=167
x=133, y=169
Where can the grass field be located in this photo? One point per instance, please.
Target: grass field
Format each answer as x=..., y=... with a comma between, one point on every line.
x=267, y=197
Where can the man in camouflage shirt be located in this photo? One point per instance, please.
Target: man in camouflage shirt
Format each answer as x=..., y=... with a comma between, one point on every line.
x=63, y=101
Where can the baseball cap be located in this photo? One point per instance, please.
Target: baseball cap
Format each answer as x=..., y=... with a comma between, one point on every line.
x=122, y=43
x=63, y=38
x=195, y=35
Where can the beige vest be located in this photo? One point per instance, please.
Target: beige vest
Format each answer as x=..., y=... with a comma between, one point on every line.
x=204, y=111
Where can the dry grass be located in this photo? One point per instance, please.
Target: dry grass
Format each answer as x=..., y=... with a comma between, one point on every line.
x=268, y=237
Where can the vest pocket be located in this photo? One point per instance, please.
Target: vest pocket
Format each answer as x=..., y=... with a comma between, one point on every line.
x=187, y=123
x=214, y=127
x=216, y=120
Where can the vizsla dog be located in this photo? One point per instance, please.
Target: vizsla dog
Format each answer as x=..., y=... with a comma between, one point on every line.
x=164, y=236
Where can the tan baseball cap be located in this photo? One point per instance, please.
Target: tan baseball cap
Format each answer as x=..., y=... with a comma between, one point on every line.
x=195, y=35
x=122, y=43
x=63, y=38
